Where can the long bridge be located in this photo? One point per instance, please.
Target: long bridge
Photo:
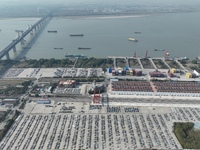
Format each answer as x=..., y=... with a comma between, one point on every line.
x=20, y=38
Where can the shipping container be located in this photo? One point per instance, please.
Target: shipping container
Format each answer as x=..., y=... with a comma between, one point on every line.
x=110, y=70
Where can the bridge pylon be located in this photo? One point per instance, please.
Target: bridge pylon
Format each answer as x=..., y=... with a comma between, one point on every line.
x=29, y=27
x=14, y=49
x=7, y=56
x=18, y=33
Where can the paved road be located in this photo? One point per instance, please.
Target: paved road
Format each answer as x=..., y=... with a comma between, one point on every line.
x=153, y=63
x=140, y=63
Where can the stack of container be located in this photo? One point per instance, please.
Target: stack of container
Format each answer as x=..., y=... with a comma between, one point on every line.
x=139, y=73
x=170, y=74
x=110, y=70
x=156, y=74
x=127, y=72
x=188, y=75
x=173, y=70
x=133, y=72
x=123, y=72
x=194, y=75
x=113, y=72
x=116, y=72
x=120, y=72
x=127, y=68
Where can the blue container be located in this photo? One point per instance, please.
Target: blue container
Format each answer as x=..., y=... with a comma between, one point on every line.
x=127, y=68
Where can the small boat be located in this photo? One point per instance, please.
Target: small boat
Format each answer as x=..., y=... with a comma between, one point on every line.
x=52, y=31
x=84, y=48
x=133, y=39
x=76, y=35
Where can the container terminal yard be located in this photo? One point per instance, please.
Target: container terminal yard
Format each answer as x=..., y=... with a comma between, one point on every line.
x=143, y=98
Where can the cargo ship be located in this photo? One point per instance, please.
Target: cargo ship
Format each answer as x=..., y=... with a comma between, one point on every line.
x=137, y=32
x=52, y=31
x=133, y=39
x=58, y=48
x=84, y=48
x=76, y=35
x=67, y=55
x=159, y=49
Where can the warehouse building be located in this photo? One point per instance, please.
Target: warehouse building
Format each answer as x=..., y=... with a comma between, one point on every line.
x=10, y=102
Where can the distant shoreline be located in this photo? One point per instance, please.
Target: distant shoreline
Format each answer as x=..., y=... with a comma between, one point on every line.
x=100, y=16
x=22, y=18
x=103, y=16
x=79, y=17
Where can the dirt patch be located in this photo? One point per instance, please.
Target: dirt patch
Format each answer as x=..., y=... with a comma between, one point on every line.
x=121, y=62
x=146, y=64
x=160, y=64
x=172, y=64
x=133, y=63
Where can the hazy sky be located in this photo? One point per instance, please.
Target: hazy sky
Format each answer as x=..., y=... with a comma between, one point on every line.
x=145, y=2
x=188, y=4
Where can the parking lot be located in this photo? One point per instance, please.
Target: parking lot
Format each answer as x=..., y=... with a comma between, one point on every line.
x=52, y=72
x=67, y=91
x=97, y=127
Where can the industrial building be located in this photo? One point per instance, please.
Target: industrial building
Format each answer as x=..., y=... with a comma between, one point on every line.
x=9, y=102
x=67, y=84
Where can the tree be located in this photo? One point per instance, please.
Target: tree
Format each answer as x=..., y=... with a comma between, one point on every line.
x=194, y=61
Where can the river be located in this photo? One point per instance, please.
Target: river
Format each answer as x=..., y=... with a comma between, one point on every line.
x=108, y=36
